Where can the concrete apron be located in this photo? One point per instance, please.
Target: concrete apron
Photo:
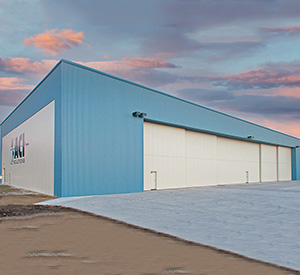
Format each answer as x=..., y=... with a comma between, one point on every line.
x=260, y=221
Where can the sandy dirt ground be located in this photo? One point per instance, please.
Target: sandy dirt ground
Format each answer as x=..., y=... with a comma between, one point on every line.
x=54, y=240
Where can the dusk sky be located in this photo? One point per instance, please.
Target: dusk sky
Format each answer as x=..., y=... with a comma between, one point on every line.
x=240, y=57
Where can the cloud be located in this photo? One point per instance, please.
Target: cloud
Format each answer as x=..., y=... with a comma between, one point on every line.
x=139, y=62
x=273, y=107
x=193, y=13
x=12, y=91
x=288, y=30
x=265, y=77
x=12, y=97
x=53, y=42
x=204, y=95
x=129, y=63
x=150, y=78
x=203, y=14
x=26, y=66
x=218, y=51
x=138, y=69
x=166, y=55
x=263, y=105
x=13, y=83
x=133, y=22
x=287, y=91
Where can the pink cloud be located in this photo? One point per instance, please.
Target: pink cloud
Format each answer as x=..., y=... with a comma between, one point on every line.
x=129, y=63
x=12, y=91
x=53, y=42
x=269, y=76
x=13, y=83
x=125, y=68
x=287, y=29
x=287, y=91
x=263, y=76
x=147, y=62
x=25, y=65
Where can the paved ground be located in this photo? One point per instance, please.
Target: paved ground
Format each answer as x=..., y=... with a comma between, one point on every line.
x=261, y=221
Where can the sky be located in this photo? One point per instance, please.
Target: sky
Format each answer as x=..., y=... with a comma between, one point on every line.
x=240, y=57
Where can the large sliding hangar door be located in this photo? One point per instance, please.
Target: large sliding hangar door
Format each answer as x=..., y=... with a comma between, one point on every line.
x=175, y=158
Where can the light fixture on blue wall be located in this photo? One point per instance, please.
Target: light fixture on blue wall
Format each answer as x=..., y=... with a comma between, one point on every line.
x=139, y=114
x=250, y=137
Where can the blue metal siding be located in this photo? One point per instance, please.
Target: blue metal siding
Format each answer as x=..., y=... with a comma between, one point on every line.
x=295, y=164
x=102, y=144
x=101, y=141
x=48, y=90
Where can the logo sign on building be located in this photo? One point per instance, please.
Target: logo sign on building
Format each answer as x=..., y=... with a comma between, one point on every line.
x=17, y=149
x=28, y=152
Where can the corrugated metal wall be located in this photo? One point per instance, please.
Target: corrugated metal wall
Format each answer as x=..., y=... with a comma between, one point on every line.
x=102, y=145
x=99, y=144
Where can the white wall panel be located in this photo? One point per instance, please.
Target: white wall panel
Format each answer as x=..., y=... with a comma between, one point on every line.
x=284, y=163
x=237, y=161
x=35, y=169
x=268, y=163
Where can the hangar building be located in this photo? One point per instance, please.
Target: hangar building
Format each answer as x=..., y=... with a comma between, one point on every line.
x=84, y=132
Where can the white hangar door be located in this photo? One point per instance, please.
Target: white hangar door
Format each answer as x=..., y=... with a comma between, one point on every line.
x=237, y=161
x=201, y=159
x=284, y=163
x=268, y=164
x=175, y=157
x=164, y=157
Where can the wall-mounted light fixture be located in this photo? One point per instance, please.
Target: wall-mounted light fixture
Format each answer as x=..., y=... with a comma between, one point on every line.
x=297, y=146
x=250, y=137
x=139, y=114
x=136, y=114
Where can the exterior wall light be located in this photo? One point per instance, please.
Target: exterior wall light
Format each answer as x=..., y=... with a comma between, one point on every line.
x=297, y=146
x=250, y=137
x=136, y=114
x=139, y=114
